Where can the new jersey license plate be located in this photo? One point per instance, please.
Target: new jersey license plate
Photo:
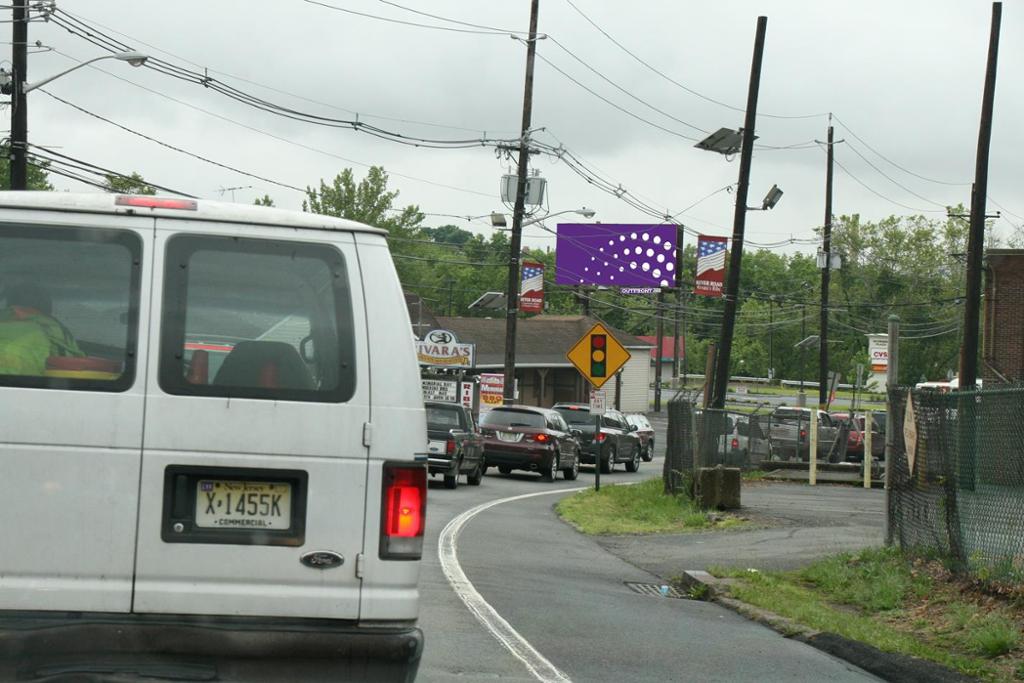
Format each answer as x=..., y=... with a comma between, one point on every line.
x=226, y=504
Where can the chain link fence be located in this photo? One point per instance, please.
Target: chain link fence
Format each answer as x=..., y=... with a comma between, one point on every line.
x=957, y=485
x=700, y=437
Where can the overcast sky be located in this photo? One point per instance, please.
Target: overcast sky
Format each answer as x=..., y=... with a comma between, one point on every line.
x=905, y=78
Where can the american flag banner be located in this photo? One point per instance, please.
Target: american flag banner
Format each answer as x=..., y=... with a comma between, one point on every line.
x=710, y=265
x=531, y=288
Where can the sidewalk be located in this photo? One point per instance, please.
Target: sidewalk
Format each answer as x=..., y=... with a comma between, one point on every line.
x=798, y=523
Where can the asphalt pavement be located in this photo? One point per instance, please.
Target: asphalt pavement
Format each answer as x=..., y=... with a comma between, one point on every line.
x=567, y=596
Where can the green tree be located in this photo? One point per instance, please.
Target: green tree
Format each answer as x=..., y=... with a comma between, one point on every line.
x=36, y=179
x=265, y=200
x=368, y=202
x=133, y=184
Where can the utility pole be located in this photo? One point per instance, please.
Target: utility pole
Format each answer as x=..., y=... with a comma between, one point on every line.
x=512, y=292
x=679, y=299
x=976, y=240
x=721, y=379
x=660, y=342
x=19, y=111
x=803, y=351
x=825, y=277
x=771, y=339
x=451, y=295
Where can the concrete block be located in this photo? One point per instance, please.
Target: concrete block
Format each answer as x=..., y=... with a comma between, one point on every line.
x=718, y=488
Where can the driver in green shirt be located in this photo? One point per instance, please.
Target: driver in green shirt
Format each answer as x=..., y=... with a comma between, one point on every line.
x=29, y=334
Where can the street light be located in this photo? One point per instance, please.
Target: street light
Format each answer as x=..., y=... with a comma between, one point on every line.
x=18, y=87
x=498, y=219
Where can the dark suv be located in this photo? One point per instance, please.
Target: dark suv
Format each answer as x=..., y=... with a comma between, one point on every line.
x=529, y=438
x=616, y=442
x=454, y=445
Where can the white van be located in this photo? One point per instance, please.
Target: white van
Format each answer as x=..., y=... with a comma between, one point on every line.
x=210, y=436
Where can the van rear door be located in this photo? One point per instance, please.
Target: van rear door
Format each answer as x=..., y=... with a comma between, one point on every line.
x=253, y=484
x=72, y=377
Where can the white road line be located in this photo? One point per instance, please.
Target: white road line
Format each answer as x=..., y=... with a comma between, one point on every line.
x=447, y=551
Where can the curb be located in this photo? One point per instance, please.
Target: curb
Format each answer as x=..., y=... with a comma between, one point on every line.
x=888, y=666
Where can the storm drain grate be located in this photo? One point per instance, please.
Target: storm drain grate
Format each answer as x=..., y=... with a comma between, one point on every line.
x=655, y=590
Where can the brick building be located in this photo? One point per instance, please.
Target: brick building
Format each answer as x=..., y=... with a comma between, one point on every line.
x=1003, y=333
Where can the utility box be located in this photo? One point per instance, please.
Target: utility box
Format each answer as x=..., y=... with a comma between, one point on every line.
x=535, y=186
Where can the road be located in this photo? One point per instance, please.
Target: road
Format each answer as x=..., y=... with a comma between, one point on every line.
x=565, y=596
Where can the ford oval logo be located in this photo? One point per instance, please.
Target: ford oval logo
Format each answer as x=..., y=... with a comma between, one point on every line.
x=322, y=559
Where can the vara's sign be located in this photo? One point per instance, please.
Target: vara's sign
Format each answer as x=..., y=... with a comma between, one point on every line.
x=443, y=348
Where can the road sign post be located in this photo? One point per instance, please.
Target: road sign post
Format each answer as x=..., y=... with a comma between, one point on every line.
x=597, y=408
x=598, y=356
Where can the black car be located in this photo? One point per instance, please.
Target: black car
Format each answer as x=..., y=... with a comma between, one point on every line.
x=532, y=439
x=454, y=444
x=616, y=442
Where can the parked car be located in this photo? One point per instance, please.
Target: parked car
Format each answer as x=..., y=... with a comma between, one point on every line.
x=855, y=441
x=454, y=445
x=645, y=432
x=529, y=438
x=790, y=433
x=216, y=466
x=616, y=442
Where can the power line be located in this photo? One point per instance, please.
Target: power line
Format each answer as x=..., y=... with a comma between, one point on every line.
x=82, y=20
x=273, y=135
x=893, y=163
x=675, y=82
x=204, y=80
x=404, y=23
x=70, y=162
x=616, y=106
x=172, y=147
x=882, y=196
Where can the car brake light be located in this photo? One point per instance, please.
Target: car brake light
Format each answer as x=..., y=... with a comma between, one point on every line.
x=541, y=438
x=403, y=513
x=601, y=436
x=735, y=442
x=803, y=433
x=449, y=447
x=148, y=202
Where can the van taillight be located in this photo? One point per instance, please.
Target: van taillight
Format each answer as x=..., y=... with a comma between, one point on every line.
x=449, y=447
x=403, y=513
x=735, y=442
x=803, y=433
x=601, y=436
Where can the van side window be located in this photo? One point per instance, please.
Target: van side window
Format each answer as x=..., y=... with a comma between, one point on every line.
x=69, y=307
x=254, y=318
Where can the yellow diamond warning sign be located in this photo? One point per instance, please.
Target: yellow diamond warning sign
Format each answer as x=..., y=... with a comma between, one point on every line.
x=598, y=355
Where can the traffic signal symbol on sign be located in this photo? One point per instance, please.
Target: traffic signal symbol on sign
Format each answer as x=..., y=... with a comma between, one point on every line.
x=598, y=355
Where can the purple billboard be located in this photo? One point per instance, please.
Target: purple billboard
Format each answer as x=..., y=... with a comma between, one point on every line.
x=616, y=255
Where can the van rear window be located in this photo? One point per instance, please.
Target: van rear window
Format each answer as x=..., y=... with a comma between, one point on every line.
x=69, y=306
x=513, y=418
x=253, y=318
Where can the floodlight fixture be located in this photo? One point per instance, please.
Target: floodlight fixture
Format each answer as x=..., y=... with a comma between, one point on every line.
x=724, y=141
x=813, y=340
x=495, y=300
x=772, y=198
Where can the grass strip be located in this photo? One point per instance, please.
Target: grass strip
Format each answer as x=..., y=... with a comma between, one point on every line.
x=883, y=598
x=638, y=509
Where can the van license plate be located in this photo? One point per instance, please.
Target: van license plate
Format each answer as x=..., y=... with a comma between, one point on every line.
x=226, y=504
